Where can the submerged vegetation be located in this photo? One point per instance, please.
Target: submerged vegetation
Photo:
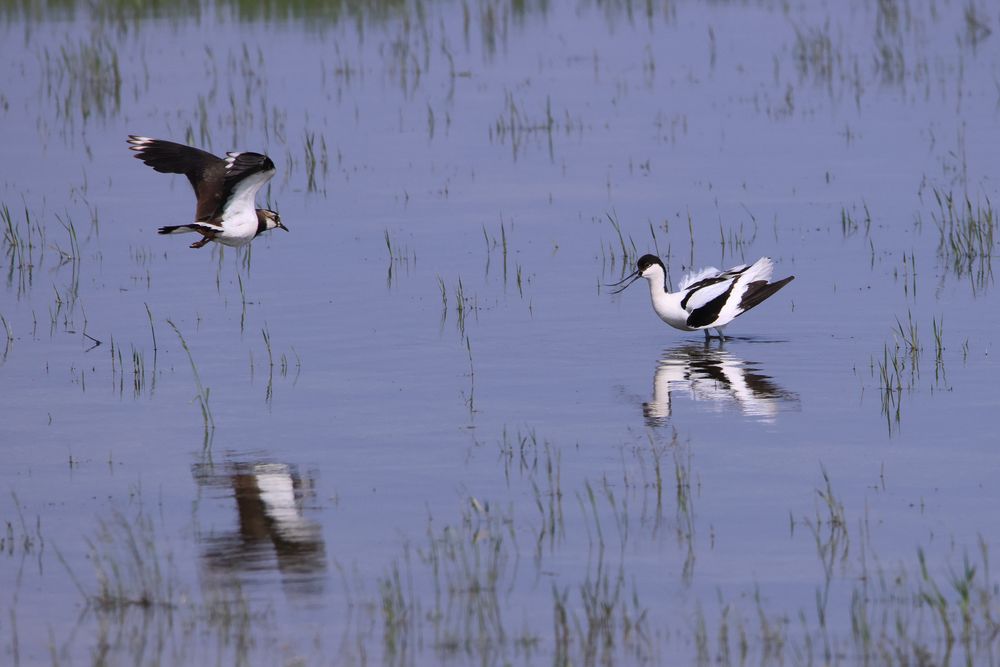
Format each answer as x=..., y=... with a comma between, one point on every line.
x=967, y=237
x=493, y=585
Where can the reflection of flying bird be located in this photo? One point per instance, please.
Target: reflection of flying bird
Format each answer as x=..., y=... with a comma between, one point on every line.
x=707, y=299
x=226, y=190
x=271, y=521
x=713, y=375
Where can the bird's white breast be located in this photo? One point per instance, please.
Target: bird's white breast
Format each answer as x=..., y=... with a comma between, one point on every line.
x=239, y=217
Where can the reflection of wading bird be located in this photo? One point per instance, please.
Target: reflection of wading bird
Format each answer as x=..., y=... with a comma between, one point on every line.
x=225, y=188
x=713, y=375
x=708, y=299
x=272, y=524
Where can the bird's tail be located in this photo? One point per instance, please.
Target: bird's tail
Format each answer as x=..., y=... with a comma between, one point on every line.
x=185, y=229
x=759, y=290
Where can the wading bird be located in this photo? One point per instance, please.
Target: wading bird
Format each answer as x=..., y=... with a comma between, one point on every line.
x=707, y=299
x=225, y=187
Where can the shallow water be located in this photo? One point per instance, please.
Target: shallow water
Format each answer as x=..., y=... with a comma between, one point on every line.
x=436, y=436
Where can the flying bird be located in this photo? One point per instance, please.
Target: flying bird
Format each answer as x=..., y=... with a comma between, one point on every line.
x=706, y=299
x=226, y=189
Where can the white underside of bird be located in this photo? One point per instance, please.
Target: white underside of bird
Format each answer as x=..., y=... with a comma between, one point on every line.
x=277, y=492
x=238, y=224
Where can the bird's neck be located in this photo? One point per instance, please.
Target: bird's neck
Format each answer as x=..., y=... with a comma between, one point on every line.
x=667, y=304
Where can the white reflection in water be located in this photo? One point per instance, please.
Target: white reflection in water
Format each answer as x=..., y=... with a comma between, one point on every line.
x=717, y=378
x=272, y=531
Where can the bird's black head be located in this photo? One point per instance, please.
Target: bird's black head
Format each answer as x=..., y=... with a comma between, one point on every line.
x=644, y=263
x=647, y=261
x=268, y=219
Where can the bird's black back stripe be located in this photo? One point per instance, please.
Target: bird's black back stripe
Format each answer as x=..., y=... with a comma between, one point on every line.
x=704, y=316
x=710, y=369
x=706, y=282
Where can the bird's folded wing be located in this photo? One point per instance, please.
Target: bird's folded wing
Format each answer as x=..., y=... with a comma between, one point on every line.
x=699, y=296
x=693, y=278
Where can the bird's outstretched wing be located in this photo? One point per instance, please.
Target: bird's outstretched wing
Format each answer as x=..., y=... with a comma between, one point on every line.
x=204, y=171
x=168, y=157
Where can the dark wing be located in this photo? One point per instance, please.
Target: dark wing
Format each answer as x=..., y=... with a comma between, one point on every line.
x=240, y=166
x=244, y=175
x=206, y=172
x=759, y=290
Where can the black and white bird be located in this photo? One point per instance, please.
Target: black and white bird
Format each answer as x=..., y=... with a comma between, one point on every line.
x=706, y=299
x=273, y=526
x=717, y=379
x=226, y=189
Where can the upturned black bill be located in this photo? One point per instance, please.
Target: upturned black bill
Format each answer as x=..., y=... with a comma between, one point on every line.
x=625, y=282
